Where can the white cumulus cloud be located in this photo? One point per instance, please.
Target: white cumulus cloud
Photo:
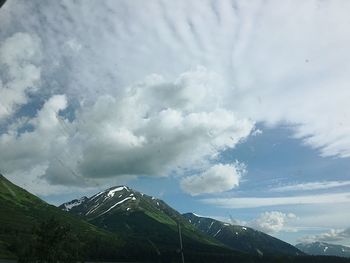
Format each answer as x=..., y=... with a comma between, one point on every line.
x=20, y=75
x=271, y=222
x=155, y=127
x=218, y=178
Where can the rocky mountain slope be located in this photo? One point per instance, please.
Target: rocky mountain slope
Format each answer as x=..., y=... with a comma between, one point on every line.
x=242, y=238
x=130, y=213
x=324, y=249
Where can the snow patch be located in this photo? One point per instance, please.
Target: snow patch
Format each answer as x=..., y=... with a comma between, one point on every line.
x=244, y=228
x=69, y=206
x=217, y=232
x=113, y=191
x=196, y=215
x=118, y=203
x=96, y=195
x=94, y=208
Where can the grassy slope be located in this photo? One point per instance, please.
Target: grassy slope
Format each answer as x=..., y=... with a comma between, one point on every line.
x=20, y=211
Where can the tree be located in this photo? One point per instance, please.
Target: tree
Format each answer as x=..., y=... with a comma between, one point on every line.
x=50, y=242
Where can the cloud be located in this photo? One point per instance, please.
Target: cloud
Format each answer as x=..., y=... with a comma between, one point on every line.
x=25, y=150
x=333, y=235
x=257, y=132
x=218, y=178
x=252, y=202
x=20, y=75
x=311, y=186
x=272, y=222
x=155, y=127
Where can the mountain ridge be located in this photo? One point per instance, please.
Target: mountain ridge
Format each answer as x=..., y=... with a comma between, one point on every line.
x=125, y=211
x=242, y=238
x=324, y=249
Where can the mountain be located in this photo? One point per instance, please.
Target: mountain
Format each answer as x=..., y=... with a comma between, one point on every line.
x=321, y=248
x=129, y=213
x=242, y=238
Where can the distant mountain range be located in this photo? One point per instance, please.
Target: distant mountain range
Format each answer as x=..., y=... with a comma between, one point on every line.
x=120, y=224
x=324, y=249
x=242, y=238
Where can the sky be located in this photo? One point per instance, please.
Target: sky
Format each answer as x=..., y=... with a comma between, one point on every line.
x=232, y=109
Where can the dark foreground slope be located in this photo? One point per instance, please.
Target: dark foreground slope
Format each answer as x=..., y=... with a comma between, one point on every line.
x=21, y=212
x=324, y=249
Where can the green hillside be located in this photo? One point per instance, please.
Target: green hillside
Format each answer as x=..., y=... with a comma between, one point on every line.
x=21, y=211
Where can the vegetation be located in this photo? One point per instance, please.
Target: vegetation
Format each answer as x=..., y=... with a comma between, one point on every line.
x=50, y=242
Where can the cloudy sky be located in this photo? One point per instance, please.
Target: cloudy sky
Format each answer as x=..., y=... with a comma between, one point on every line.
x=232, y=109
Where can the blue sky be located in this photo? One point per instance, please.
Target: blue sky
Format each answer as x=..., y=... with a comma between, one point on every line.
x=232, y=109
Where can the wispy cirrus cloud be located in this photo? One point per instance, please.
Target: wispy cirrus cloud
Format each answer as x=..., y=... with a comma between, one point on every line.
x=253, y=202
x=310, y=186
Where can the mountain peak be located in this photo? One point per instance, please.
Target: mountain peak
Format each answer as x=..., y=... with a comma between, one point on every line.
x=115, y=189
x=120, y=197
x=76, y=202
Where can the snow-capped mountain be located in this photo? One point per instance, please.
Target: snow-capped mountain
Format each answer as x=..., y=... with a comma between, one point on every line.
x=132, y=214
x=242, y=238
x=119, y=198
x=324, y=249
